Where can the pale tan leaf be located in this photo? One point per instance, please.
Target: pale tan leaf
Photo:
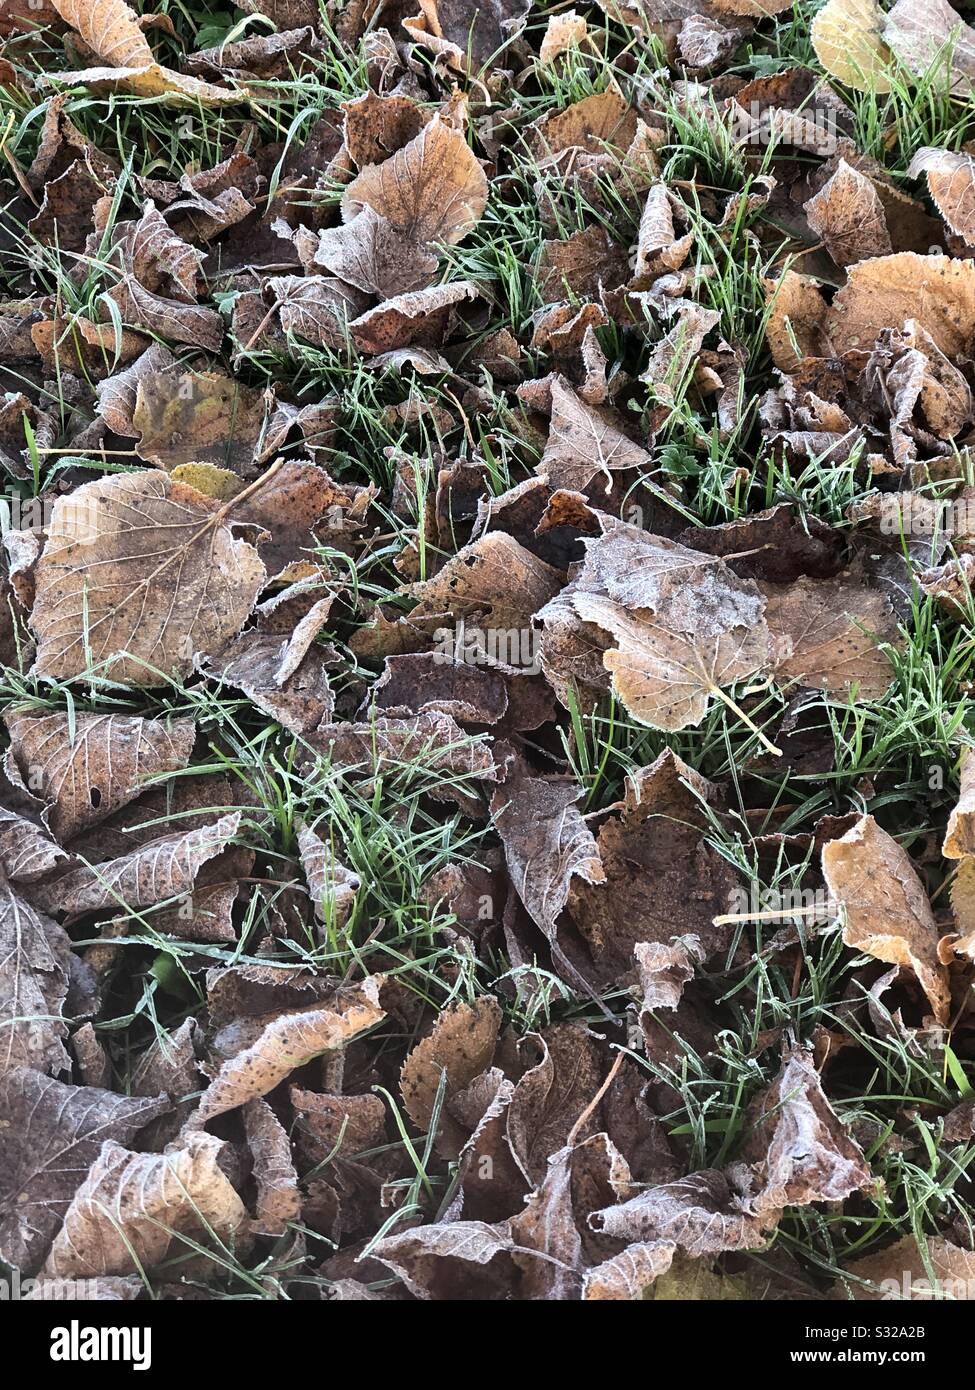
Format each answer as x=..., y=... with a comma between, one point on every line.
x=959, y=839
x=140, y=573
x=796, y=1146
x=131, y=1210
x=87, y=767
x=848, y=38
x=287, y=1042
x=628, y=1275
x=930, y=35
x=332, y=886
x=951, y=183
x=887, y=912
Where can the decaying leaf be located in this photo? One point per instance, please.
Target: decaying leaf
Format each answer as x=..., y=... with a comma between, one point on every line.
x=828, y=634
x=460, y=1047
x=849, y=216
x=432, y=191
x=50, y=1135
x=287, y=1042
x=798, y=1150
x=886, y=910
x=132, y=1210
x=951, y=183
x=138, y=573
x=87, y=767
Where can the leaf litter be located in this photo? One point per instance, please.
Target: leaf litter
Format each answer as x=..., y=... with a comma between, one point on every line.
x=487, y=797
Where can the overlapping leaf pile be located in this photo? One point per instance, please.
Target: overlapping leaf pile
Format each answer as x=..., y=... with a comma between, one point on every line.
x=481, y=539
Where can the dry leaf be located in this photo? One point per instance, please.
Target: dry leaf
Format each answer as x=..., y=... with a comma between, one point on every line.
x=139, y=573
x=887, y=913
x=461, y=1046
x=826, y=635
x=87, y=766
x=288, y=1042
x=432, y=191
x=50, y=1135
x=132, y=1209
x=848, y=37
x=849, y=216
x=951, y=183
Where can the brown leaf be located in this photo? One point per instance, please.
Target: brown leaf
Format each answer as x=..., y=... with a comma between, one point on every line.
x=139, y=572
x=700, y=1214
x=935, y=290
x=87, y=766
x=904, y=1271
x=371, y=254
x=132, y=1209
x=460, y=1047
x=283, y=676
x=658, y=247
x=546, y=845
x=951, y=183
x=921, y=32
x=849, y=216
x=318, y=308
x=421, y=318
x=795, y=325
x=469, y=35
x=164, y=868
x=960, y=834
x=584, y=443
x=433, y=190
x=554, y=1224
x=826, y=635
x=287, y=1042
x=598, y=123
x=377, y=126
x=664, y=884
x=798, y=1150
x=200, y=417
x=278, y=1198
x=34, y=958
x=551, y=1096
x=449, y=1260
x=887, y=913
x=324, y=1123
x=50, y=1135
x=332, y=886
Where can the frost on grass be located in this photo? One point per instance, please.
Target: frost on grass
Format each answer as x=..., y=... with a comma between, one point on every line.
x=487, y=794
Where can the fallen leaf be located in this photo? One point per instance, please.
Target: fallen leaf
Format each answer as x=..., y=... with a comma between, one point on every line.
x=87, y=766
x=50, y=1135
x=285, y=1043
x=138, y=572
x=887, y=913
x=133, y=1210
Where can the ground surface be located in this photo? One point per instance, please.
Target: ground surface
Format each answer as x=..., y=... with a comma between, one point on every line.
x=488, y=641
